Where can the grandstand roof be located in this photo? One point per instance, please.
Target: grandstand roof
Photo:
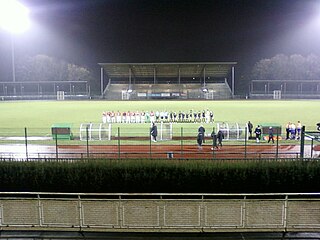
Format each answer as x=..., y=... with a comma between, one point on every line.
x=148, y=70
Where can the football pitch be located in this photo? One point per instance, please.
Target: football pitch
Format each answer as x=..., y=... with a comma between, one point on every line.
x=43, y=114
x=39, y=116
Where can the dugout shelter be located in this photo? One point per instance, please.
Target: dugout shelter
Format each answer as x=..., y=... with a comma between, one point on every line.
x=62, y=131
x=184, y=80
x=276, y=128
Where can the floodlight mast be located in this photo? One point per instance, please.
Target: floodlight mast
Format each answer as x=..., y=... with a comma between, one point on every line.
x=14, y=18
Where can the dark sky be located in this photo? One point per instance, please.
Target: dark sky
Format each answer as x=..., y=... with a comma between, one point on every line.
x=91, y=31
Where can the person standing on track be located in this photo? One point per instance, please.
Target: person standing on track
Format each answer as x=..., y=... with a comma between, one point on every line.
x=250, y=127
x=257, y=131
x=202, y=130
x=220, y=137
x=270, y=135
x=200, y=140
x=200, y=137
x=154, y=132
x=214, y=140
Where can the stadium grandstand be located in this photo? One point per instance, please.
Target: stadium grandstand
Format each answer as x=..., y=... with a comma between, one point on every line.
x=196, y=80
x=285, y=89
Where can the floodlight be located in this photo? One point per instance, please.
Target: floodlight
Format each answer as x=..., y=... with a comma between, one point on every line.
x=14, y=17
x=204, y=89
x=129, y=90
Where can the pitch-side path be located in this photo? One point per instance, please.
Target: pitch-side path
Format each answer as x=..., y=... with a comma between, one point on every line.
x=19, y=151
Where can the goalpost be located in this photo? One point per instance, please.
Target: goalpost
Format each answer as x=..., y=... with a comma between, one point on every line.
x=95, y=131
x=60, y=95
x=165, y=131
x=233, y=130
x=277, y=94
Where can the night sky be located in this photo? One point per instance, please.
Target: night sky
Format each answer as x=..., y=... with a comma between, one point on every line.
x=90, y=31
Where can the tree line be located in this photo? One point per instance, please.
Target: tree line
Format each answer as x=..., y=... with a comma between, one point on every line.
x=283, y=67
x=45, y=68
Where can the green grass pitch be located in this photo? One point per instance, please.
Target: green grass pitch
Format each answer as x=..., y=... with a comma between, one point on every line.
x=42, y=114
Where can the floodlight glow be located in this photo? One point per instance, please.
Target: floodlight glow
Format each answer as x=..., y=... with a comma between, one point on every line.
x=205, y=89
x=14, y=17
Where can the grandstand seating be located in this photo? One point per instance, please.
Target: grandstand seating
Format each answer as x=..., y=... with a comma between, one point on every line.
x=181, y=91
x=219, y=91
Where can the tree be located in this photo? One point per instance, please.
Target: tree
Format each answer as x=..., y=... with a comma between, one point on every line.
x=78, y=73
x=282, y=67
x=45, y=68
x=261, y=70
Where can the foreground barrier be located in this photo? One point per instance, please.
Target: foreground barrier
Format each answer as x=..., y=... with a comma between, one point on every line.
x=160, y=212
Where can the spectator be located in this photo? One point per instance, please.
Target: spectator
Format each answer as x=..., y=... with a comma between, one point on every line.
x=202, y=130
x=270, y=135
x=214, y=140
x=154, y=132
x=200, y=138
x=257, y=131
x=220, y=137
x=250, y=127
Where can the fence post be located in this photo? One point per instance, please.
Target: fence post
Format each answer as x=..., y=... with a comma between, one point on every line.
x=26, y=141
x=56, y=136
x=119, y=143
x=87, y=133
x=245, y=142
x=150, y=149
x=181, y=142
x=277, y=150
x=311, y=154
x=302, y=142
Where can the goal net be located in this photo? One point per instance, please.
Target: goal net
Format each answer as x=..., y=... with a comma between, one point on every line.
x=95, y=131
x=165, y=131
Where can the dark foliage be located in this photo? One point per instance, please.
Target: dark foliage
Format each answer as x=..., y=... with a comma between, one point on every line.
x=168, y=176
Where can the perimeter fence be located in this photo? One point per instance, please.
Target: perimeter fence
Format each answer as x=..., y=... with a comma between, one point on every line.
x=123, y=143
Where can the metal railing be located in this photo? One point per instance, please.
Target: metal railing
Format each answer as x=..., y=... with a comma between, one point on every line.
x=29, y=144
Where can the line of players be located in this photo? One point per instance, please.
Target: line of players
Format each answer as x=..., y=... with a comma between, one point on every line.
x=204, y=116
